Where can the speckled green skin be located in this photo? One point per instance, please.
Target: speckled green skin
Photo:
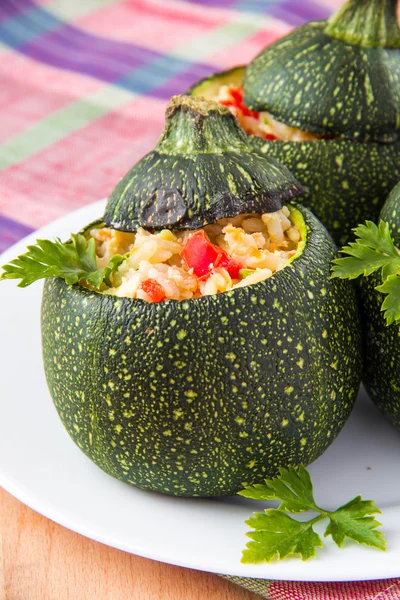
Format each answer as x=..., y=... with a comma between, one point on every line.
x=202, y=169
x=348, y=181
x=381, y=374
x=310, y=80
x=197, y=398
x=368, y=23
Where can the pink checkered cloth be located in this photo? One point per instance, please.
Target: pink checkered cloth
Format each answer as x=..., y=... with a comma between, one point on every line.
x=84, y=88
x=386, y=589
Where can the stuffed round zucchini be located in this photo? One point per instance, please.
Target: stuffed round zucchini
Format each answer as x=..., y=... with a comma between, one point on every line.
x=196, y=391
x=376, y=256
x=326, y=100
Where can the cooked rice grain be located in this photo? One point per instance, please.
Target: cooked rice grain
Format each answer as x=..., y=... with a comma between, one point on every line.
x=264, y=243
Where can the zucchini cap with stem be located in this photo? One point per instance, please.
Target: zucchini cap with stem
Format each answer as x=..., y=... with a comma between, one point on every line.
x=339, y=77
x=202, y=169
x=350, y=175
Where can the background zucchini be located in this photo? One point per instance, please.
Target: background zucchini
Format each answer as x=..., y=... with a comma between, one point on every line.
x=338, y=78
x=381, y=373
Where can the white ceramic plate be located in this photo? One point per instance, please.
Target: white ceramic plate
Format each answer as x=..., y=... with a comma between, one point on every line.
x=41, y=466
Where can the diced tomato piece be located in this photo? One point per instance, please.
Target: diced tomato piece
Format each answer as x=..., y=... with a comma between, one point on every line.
x=153, y=289
x=201, y=255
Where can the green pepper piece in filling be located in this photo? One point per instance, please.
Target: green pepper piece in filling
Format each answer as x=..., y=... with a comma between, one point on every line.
x=246, y=272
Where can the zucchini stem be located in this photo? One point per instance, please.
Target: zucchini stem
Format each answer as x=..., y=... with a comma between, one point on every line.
x=369, y=23
x=199, y=126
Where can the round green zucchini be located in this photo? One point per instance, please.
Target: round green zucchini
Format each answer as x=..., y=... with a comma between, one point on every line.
x=381, y=374
x=200, y=397
x=348, y=181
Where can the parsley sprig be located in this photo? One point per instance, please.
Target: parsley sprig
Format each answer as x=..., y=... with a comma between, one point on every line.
x=277, y=535
x=374, y=250
x=72, y=261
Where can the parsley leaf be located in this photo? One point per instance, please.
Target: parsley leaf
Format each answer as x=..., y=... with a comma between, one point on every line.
x=72, y=261
x=391, y=304
x=277, y=535
x=352, y=521
x=374, y=250
x=293, y=488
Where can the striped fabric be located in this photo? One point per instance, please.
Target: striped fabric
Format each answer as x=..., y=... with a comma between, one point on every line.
x=387, y=589
x=84, y=89
x=85, y=84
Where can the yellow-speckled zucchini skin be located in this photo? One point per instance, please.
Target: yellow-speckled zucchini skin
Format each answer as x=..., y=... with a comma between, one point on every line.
x=382, y=344
x=313, y=81
x=348, y=181
x=197, y=398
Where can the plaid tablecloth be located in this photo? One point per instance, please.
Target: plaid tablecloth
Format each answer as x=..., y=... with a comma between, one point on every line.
x=84, y=85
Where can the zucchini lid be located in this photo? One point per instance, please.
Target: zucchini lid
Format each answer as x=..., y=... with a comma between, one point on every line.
x=202, y=169
x=339, y=77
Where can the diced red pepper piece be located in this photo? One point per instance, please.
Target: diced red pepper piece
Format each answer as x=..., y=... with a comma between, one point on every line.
x=226, y=103
x=201, y=255
x=153, y=289
x=230, y=265
x=236, y=94
x=236, y=100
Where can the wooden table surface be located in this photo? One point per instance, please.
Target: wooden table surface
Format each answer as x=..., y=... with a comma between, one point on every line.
x=40, y=560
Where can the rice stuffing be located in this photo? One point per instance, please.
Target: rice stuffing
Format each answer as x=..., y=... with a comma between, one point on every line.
x=261, y=124
x=179, y=265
